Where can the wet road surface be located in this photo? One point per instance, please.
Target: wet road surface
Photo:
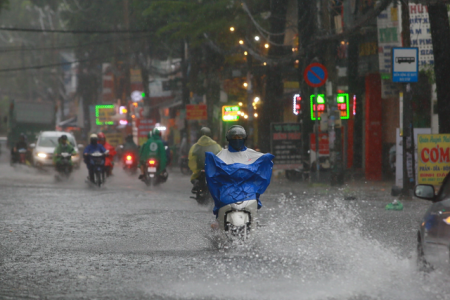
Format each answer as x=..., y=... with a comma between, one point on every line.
x=126, y=241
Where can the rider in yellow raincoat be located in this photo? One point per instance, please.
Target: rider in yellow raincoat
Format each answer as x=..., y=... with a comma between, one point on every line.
x=197, y=153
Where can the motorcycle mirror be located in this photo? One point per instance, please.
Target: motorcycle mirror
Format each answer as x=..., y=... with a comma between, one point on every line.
x=33, y=146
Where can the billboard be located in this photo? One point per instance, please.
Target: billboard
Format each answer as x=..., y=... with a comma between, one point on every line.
x=433, y=151
x=196, y=112
x=286, y=145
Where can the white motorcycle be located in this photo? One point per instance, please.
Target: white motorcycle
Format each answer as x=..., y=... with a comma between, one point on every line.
x=238, y=219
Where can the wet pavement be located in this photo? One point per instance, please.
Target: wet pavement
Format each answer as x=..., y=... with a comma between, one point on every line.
x=127, y=241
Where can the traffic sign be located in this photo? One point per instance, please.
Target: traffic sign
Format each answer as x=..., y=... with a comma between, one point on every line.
x=405, y=64
x=315, y=75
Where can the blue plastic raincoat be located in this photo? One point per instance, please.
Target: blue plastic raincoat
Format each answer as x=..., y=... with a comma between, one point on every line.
x=231, y=183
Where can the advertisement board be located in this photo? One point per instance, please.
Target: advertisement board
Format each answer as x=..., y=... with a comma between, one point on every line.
x=399, y=154
x=230, y=113
x=104, y=114
x=196, y=112
x=433, y=151
x=286, y=145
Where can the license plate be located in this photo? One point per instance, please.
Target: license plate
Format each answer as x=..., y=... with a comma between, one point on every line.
x=129, y=162
x=151, y=169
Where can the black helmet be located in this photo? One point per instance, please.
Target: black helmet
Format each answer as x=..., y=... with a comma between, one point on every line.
x=236, y=130
x=64, y=137
x=205, y=131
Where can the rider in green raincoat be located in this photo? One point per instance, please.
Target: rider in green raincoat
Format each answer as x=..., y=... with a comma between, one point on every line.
x=63, y=146
x=154, y=148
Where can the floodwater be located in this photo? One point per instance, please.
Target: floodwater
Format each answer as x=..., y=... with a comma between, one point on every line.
x=126, y=241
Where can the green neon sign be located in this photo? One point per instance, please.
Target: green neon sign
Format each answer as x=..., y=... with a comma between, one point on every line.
x=343, y=106
x=320, y=105
x=103, y=114
x=230, y=113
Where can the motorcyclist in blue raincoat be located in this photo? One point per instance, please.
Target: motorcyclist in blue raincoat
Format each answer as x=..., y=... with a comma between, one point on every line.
x=238, y=173
x=93, y=146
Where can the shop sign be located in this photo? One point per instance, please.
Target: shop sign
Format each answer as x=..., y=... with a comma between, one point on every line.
x=196, y=112
x=104, y=114
x=286, y=145
x=433, y=152
x=230, y=113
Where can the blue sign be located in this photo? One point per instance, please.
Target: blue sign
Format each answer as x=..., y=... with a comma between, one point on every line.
x=405, y=64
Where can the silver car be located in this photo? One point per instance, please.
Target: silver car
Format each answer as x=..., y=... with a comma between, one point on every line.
x=46, y=144
x=433, y=237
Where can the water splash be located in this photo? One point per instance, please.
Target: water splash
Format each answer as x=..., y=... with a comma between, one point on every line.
x=313, y=250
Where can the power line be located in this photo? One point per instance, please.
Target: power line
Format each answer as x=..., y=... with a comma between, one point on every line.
x=71, y=31
x=13, y=49
x=155, y=69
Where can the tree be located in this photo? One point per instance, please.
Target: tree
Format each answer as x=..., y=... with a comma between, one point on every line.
x=440, y=32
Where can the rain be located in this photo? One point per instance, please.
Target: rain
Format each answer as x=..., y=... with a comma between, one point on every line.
x=224, y=149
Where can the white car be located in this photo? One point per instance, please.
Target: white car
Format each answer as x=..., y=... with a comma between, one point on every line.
x=46, y=144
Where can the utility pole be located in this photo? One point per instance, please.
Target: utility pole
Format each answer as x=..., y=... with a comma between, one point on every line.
x=408, y=128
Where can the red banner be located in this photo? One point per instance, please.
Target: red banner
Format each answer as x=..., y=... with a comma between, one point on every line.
x=144, y=126
x=196, y=112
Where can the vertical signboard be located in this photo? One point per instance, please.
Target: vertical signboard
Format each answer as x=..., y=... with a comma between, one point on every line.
x=421, y=34
x=433, y=151
x=144, y=126
x=286, y=145
x=388, y=38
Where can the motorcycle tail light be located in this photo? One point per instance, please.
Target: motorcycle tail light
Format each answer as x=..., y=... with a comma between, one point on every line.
x=129, y=157
x=151, y=162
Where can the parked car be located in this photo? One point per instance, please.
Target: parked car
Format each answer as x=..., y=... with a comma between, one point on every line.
x=46, y=144
x=433, y=237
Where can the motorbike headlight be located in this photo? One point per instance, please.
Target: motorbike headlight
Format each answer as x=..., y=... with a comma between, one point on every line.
x=42, y=155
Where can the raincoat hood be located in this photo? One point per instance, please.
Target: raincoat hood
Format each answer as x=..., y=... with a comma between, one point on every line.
x=205, y=141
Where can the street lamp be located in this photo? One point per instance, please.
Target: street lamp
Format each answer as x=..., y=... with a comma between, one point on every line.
x=232, y=29
x=256, y=38
x=240, y=103
x=241, y=42
x=256, y=115
x=245, y=84
x=266, y=45
x=245, y=52
x=256, y=100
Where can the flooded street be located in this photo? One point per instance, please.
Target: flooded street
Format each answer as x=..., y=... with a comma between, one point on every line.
x=126, y=241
